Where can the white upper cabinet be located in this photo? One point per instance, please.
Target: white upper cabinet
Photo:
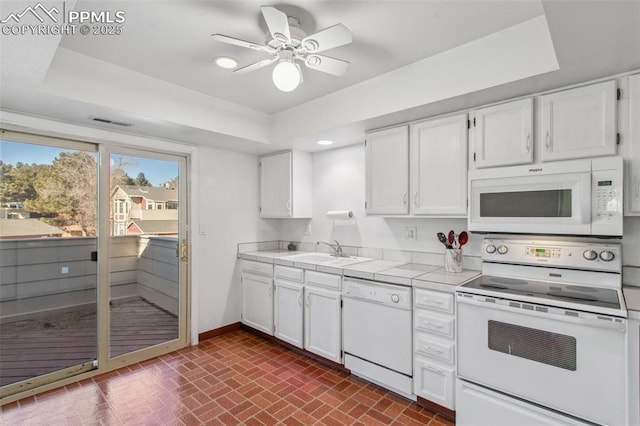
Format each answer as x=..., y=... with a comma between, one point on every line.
x=632, y=148
x=387, y=171
x=438, y=166
x=579, y=122
x=285, y=185
x=503, y=134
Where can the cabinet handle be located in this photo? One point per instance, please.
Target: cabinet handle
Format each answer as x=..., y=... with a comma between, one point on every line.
x=270, y=291
x=300, y=300
x=416, y=199
x=528, y=146
x=308, y=301
x=430, y=324
x=289, y=205
x=547, y=145
x=432, y=349
x=636, y=192
x=405, y=199
x=437, y=370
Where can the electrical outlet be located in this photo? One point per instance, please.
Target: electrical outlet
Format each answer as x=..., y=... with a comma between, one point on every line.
x=411, y=233
x=64, y=270
x=307, y=229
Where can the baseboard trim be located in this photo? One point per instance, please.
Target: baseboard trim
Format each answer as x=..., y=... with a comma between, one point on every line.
x=218, y=331
x=317, y=358
x=439, y=409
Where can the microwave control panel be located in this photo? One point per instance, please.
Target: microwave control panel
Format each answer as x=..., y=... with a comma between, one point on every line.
x=606, y=202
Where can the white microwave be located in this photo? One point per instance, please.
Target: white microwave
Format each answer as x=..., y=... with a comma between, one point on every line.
x=580, y=197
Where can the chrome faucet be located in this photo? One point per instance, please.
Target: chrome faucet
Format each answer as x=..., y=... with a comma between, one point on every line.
x=337, y=248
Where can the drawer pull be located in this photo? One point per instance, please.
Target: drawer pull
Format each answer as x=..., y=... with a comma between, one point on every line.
x=433, y=302
x=432, y=349
x=430, y=324
x=434, y=369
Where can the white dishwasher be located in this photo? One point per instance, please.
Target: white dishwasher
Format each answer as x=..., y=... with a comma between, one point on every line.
x=377, y=333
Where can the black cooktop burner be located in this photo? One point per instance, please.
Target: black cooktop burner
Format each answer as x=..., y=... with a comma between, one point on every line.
x=575, y=294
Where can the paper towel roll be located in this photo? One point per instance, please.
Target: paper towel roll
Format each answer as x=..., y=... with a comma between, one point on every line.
x=340, y=214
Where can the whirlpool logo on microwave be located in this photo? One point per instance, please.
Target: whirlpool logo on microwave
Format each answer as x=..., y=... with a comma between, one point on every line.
x=53, y=18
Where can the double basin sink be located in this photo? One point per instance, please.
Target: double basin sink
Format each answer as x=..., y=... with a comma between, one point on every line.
x=326, y=259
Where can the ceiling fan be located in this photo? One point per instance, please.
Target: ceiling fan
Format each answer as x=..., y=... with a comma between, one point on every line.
x=288, y=44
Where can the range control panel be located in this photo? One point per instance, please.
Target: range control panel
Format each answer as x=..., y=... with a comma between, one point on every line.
x=568, y=254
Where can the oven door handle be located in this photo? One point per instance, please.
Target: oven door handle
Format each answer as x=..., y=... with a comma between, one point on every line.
x=587, y=319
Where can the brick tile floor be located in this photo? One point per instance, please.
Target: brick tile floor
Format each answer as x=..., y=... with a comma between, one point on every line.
x=236, y=378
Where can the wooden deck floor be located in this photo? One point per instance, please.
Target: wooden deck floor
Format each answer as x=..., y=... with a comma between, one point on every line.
x=31, y=348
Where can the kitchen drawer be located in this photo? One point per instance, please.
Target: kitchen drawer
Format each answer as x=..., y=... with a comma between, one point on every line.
x=434, y=382
x=442, y=350
x=434, y=300
x=323, y=280
x=291, y=274
x=431, y=322
x=258, y=268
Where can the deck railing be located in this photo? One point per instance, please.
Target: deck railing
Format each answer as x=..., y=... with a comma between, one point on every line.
x=52, y=274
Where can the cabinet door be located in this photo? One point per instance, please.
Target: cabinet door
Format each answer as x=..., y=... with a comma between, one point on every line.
x=387, y=171
x=434, y=382
x=257, y=302
x=275, y=185
x=632, y=153
x=579, y=123
x=288, y=312
x=322, y=323
x=504, y=134
x=439, y=166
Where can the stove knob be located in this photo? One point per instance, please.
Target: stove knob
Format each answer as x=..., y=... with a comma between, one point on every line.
x=490, y=249
x=590, y=254
x=502, y=249
x=607, y=255
x=395, y=298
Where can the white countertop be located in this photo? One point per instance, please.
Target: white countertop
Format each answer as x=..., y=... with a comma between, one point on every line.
x=395, y=272
x=632, y=300
x=403, y=274
x=367, y=270
x=443, y=280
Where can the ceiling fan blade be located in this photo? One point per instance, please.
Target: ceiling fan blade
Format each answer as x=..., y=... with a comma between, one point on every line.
x=254, y=66
x=278, y=24
x=326, y=39
x=326, y=64
x=242, y=43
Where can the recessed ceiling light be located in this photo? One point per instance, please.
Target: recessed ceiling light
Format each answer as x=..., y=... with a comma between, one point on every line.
x=325, y=142
x=225, y=62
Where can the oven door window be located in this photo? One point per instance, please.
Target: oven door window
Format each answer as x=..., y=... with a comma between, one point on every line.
x=546, y=203
x=541, y=346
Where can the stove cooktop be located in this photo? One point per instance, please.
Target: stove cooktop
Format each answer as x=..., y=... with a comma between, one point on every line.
x=545, y=292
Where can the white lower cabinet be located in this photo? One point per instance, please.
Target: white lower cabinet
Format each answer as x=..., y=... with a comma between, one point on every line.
x=288, y=305
x=434, y=381
x=323, y=320
x=257, y=302
x=434, y=368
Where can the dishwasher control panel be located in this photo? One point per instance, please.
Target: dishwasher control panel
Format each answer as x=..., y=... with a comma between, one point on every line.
x=376, y=292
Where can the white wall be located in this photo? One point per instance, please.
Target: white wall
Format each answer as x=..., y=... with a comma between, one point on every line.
x=227, y=211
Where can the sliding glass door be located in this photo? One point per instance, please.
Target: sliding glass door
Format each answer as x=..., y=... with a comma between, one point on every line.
x=93, y=258
x=148, y=251
x=48, y=260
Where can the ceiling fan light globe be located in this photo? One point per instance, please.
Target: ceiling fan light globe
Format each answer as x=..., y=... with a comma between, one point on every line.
x=286, y=76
